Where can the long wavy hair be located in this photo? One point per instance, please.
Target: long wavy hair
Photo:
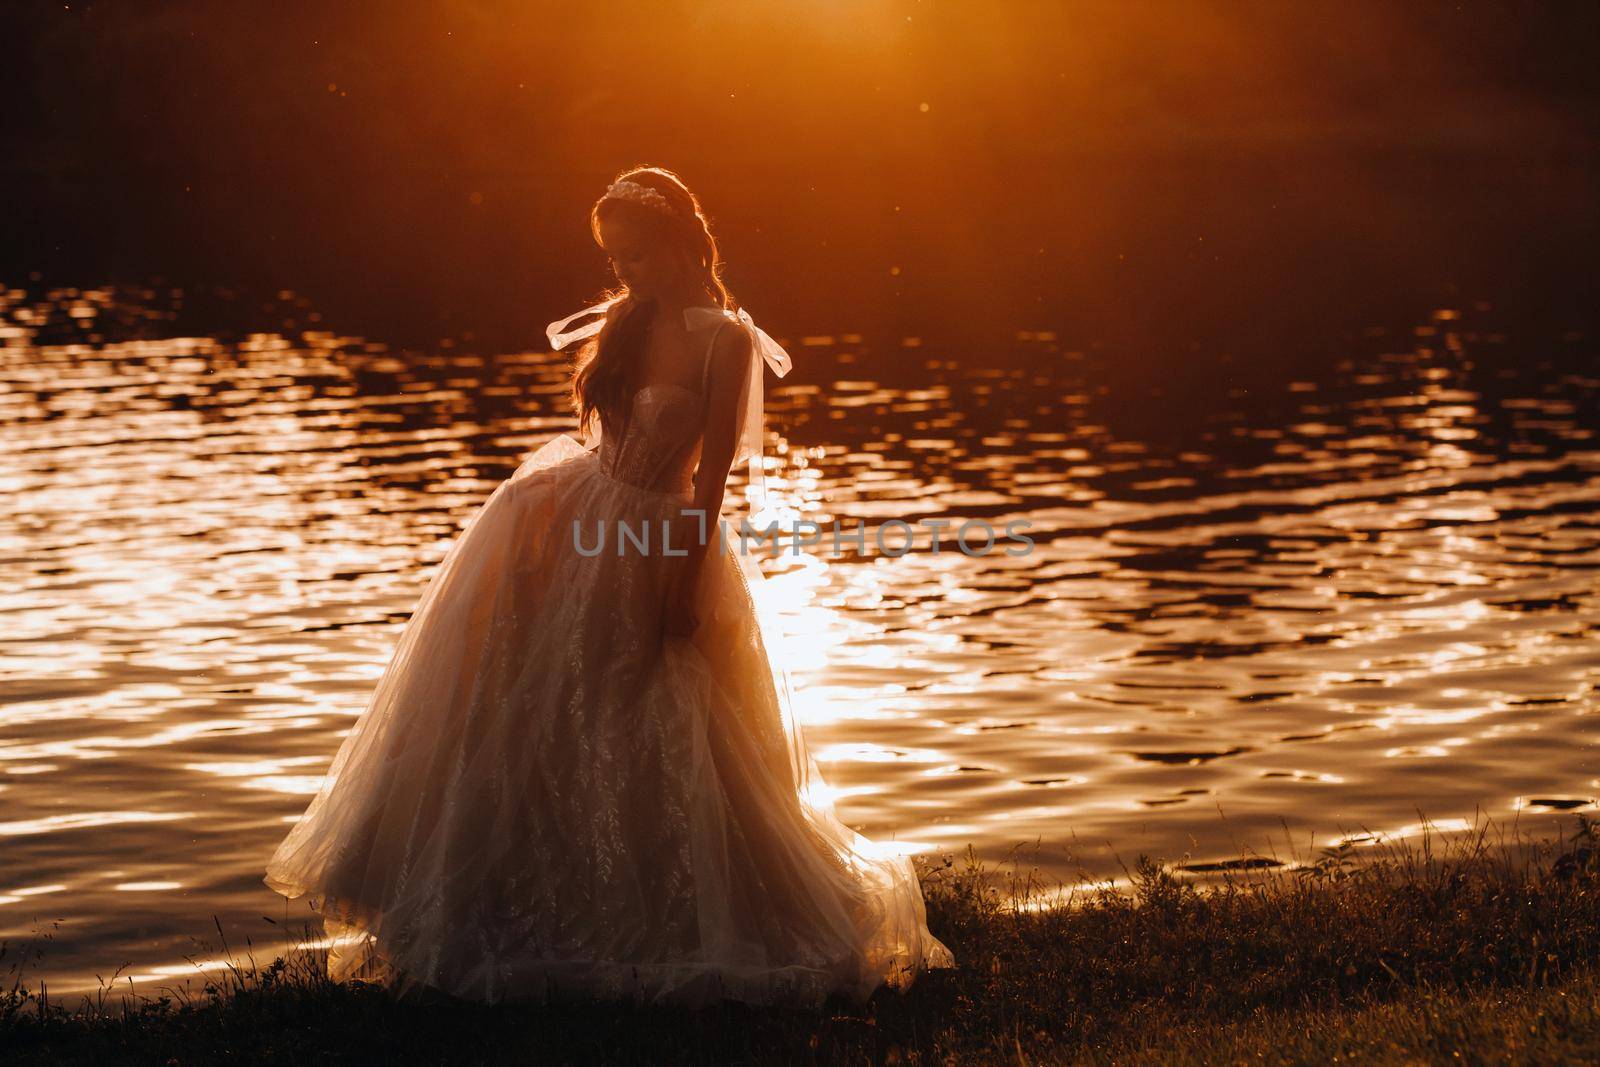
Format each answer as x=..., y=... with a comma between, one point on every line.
x=607, y=364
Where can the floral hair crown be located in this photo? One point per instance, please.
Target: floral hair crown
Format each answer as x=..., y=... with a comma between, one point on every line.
x=641, y=194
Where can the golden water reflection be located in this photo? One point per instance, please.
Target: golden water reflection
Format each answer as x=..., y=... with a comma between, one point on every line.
x=1371, y=594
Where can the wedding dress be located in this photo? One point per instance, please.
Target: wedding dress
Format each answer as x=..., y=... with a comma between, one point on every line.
x=546, y=798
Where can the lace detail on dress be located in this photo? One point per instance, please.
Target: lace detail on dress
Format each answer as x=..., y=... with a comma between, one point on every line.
x=661, y=443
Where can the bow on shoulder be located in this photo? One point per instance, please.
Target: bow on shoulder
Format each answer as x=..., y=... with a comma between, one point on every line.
x=694, y=318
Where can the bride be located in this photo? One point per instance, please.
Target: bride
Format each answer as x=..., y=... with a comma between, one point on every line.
x=580, y=776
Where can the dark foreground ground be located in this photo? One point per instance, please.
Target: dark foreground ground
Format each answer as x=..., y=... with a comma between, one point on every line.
x=1482, y=949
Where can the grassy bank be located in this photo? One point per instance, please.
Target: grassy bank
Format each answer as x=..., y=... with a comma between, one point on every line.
x=1478, y=949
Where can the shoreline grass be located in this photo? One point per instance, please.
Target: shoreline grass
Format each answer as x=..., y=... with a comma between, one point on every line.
x=1469, y=951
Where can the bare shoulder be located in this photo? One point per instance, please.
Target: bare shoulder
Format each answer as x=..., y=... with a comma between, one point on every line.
x=730, y=351
x=733, y=341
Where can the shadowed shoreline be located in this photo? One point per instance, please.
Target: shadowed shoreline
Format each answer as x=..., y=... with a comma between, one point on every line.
x=1484, y=945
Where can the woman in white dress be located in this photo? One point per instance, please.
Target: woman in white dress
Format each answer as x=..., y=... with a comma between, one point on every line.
x=580, y=775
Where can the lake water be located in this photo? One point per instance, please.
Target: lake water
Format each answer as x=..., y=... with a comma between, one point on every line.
x=1264, y=610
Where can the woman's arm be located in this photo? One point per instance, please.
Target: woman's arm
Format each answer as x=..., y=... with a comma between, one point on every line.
x=730, y=366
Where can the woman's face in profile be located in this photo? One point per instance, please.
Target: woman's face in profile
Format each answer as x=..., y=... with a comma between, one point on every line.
x=637, y=261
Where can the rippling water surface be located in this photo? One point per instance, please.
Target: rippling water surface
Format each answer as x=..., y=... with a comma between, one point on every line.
x=1329, y=603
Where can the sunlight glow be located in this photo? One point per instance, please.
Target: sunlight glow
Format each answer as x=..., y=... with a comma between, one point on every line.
x=146, y=887
x=50, y=823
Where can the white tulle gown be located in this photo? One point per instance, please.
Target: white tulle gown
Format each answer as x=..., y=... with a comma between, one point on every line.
x=547, y=800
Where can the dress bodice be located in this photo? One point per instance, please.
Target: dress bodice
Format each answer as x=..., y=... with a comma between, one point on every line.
x=660, y=445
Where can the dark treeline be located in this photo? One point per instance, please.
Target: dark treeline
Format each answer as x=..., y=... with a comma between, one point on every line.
x=1175, y=180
